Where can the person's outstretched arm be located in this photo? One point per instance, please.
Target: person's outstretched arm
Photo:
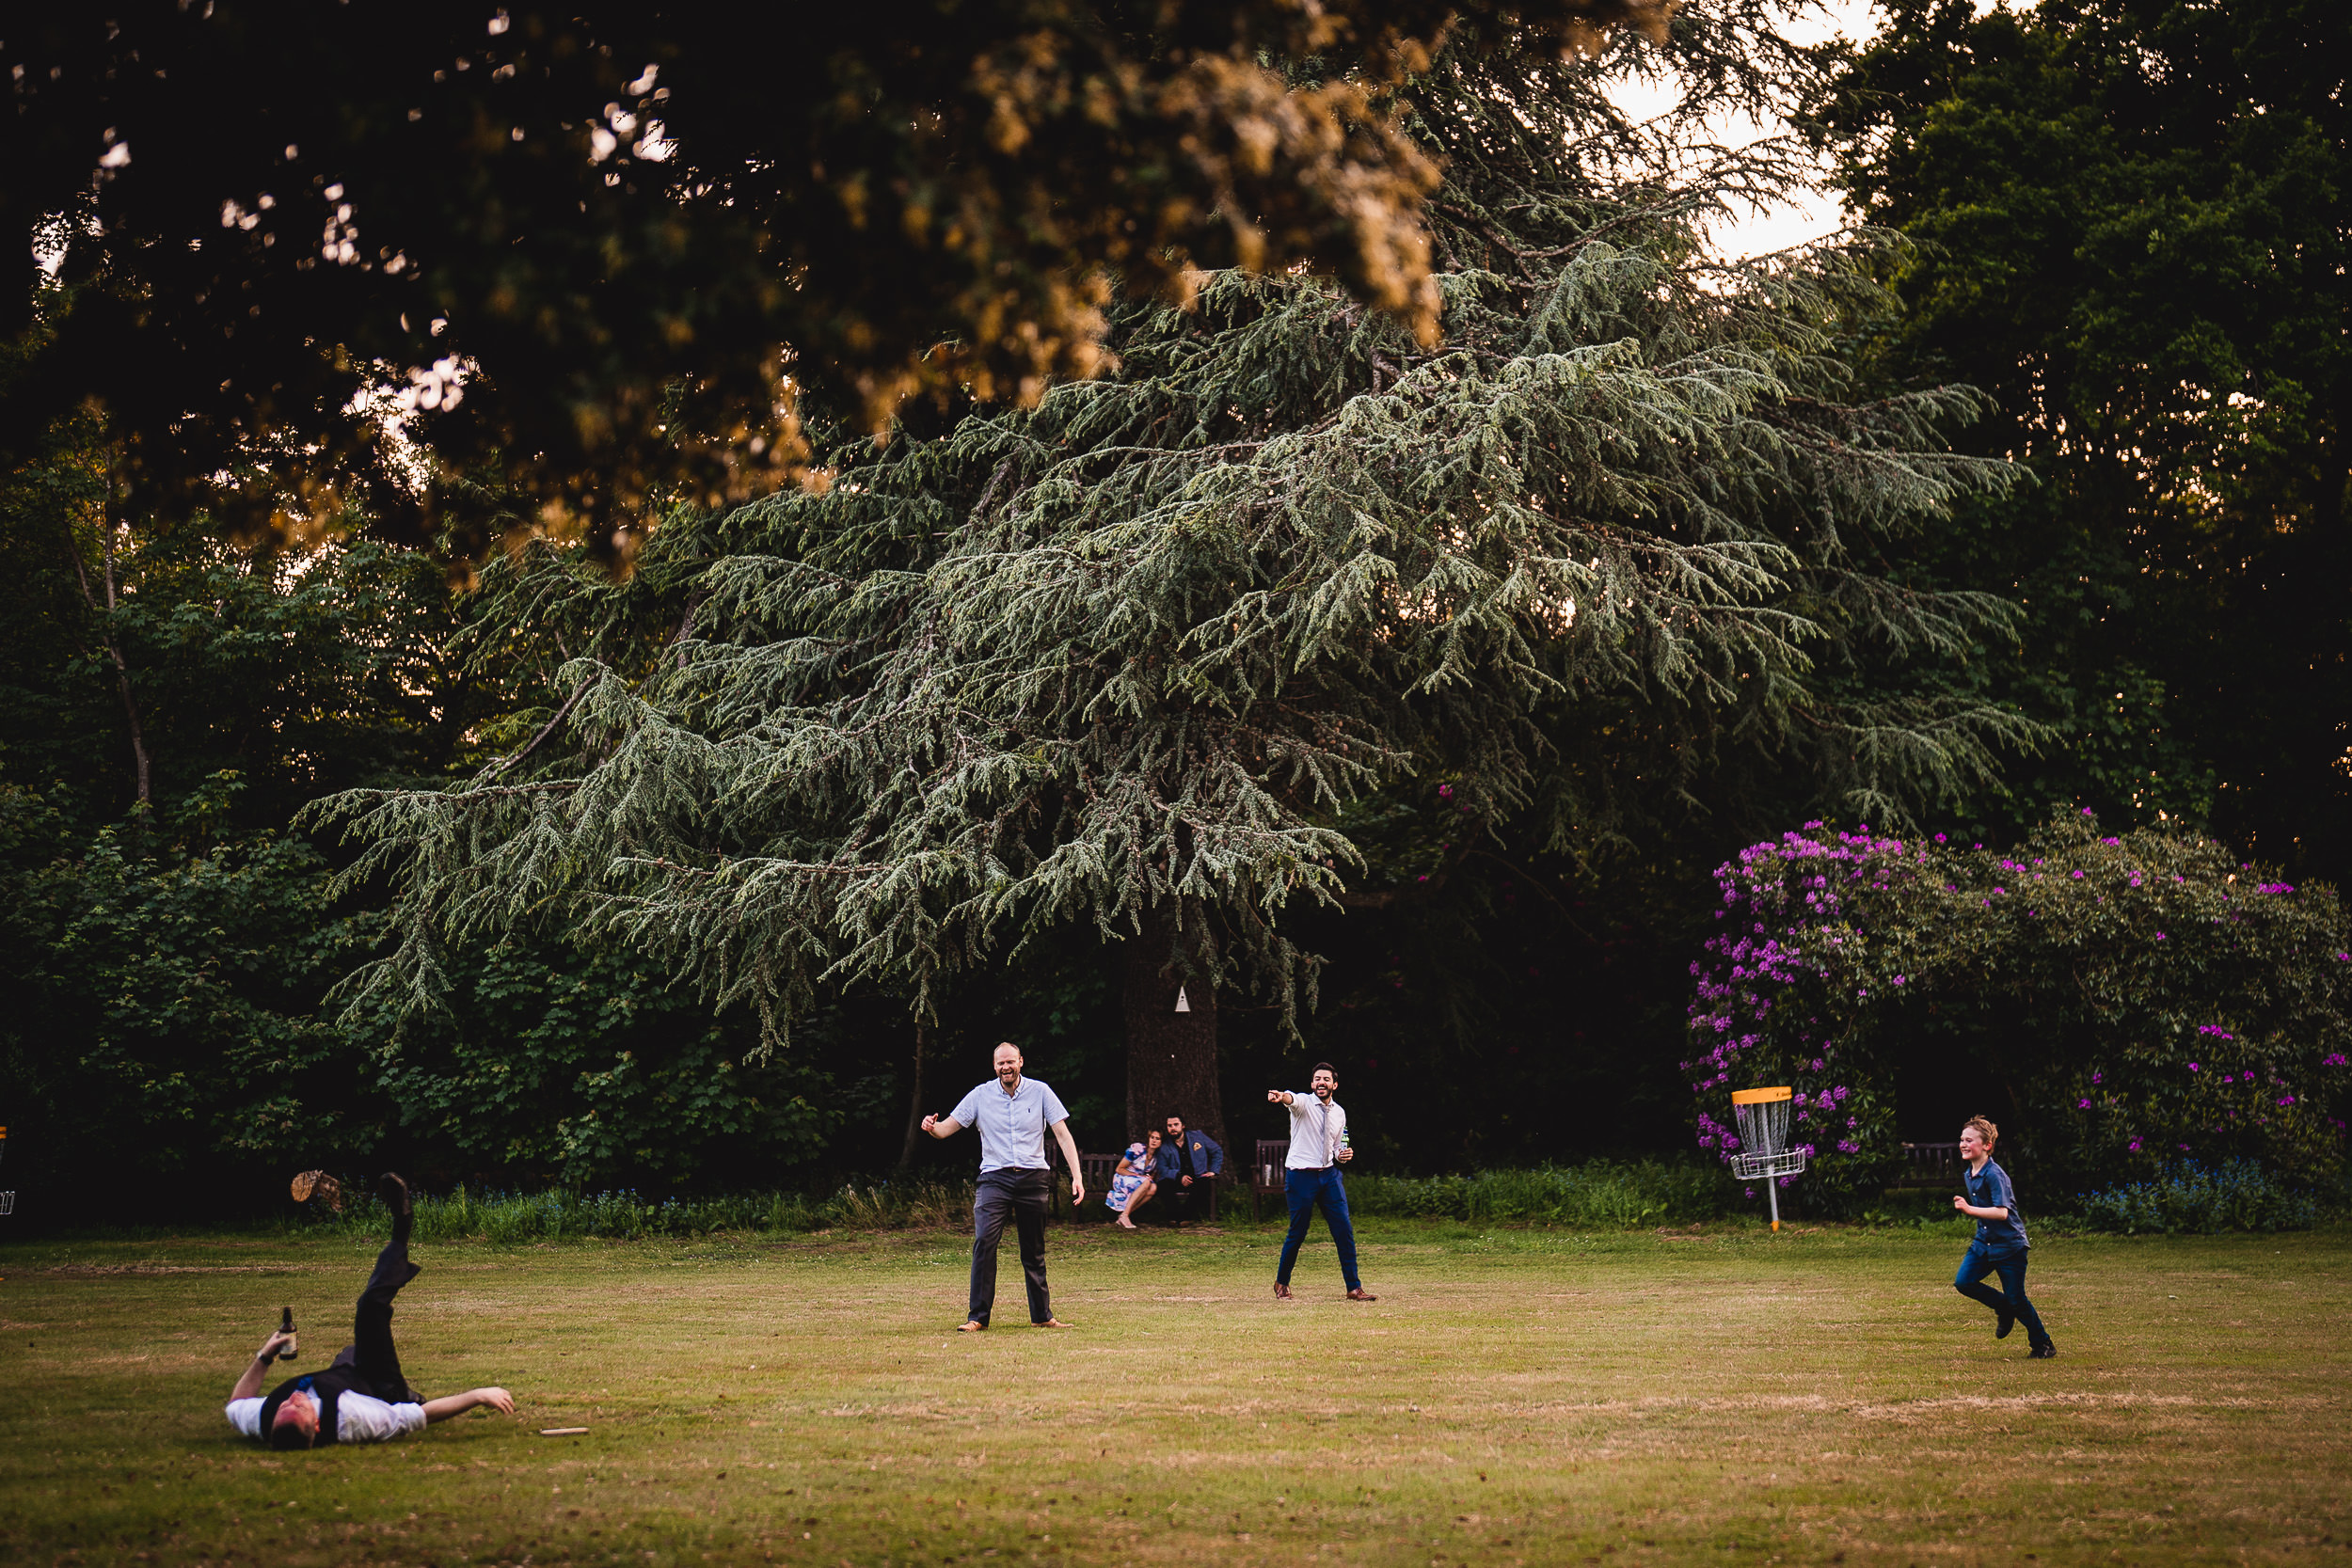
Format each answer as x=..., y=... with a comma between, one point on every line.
x=1279, y=1097
x=257, y=1370
x=457, y=1404
x=942, y=1127
x=1070, y=1152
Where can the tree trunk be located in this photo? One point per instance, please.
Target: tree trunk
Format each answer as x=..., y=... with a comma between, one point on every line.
x=1171, y=1056
x=915, y=1101
x=142, y=774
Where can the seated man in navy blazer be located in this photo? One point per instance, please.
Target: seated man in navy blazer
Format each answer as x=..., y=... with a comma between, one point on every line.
x=1189, y=1161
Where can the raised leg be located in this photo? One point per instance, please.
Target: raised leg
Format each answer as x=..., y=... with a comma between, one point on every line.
x=371, y=1351
x=1968, y=1281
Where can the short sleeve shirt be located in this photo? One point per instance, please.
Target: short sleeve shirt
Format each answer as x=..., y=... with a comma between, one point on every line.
x=1012, y=1126
x=1989, y=1189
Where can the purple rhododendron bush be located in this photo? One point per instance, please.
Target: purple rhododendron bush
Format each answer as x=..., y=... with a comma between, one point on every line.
x=2139, y=1000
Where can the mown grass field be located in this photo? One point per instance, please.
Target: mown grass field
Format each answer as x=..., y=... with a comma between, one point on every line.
x=1710, y=1396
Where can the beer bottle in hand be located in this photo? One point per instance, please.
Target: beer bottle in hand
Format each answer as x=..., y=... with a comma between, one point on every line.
x=285, y=1326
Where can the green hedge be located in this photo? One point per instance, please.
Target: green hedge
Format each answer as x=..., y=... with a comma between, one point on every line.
x=559, y=1215
x=2186, y=1197
x=1601, y=1194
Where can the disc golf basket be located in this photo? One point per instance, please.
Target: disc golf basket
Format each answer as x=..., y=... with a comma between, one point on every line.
x=7, y=1199
x=1764, y=1151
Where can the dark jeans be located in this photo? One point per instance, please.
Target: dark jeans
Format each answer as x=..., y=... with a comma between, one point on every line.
x=1023, y=1196
x=371, y=1353
x=2010, y=1298
x=1306, y=1189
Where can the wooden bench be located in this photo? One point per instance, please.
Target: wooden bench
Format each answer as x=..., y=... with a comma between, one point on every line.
x=1930, y=1166
x=1266, y=1172
x=1095, y=1170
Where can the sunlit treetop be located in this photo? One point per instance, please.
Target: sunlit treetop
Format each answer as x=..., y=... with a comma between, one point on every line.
x=597, y=258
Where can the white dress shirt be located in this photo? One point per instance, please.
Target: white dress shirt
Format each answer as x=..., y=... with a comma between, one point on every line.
x=1315, y=1128
x=358, y=1418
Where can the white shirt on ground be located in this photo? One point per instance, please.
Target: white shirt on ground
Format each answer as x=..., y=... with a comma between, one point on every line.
x=358, y=1418
x=1315, y=1128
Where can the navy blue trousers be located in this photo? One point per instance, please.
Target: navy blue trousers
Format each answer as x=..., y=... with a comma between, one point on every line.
x=1307, y=1190
x=2010, y=1298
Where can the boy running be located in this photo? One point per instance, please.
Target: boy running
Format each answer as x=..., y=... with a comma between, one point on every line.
x=2000, y=1245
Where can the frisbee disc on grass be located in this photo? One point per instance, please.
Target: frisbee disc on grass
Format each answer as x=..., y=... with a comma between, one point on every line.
x=563, y=1431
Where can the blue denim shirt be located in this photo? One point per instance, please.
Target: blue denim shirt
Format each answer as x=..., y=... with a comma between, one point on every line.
x=1989, y=1188
x=1207, y=1158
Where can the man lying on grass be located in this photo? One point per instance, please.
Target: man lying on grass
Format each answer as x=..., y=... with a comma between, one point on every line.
x=362, y=1397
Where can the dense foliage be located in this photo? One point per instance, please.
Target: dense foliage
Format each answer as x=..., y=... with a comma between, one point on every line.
x=1134, y=659
x=1393, y=693
x=2129, y=227
x=163, y=991
x=2125, y=1001
x=2188, y=1195
x=582, y=247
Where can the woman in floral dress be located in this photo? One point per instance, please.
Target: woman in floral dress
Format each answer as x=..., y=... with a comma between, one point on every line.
x=1131, y=1184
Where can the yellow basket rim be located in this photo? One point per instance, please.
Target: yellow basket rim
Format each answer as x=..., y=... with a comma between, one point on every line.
x=1762, y=1097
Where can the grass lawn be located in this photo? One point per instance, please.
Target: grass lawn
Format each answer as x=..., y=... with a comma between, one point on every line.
x=1515, y=1396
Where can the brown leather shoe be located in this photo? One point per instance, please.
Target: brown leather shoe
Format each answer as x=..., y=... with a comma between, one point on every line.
x=1359, y=1293
x=1281, y=1292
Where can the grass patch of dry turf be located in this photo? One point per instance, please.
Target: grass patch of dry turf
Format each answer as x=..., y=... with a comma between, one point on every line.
x=1716, y=1396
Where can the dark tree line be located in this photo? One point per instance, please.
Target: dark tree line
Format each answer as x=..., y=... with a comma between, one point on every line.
x=1387, y=657
x=2128, y=229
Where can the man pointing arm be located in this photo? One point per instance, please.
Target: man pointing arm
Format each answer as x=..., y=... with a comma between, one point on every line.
x=1310, y=1179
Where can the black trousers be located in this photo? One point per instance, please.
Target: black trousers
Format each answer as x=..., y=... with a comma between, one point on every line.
x=1022, y=1196
x=1178, y=1203
x=371, y=1353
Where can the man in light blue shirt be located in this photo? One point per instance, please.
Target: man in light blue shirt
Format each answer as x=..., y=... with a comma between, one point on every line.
x=1013, y=1115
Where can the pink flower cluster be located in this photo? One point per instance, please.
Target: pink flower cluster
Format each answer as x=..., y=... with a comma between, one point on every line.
x=1783, y=903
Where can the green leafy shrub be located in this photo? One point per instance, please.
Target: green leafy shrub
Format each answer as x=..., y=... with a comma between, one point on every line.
x=2186, y=1196
x=1598, y=1194
x=560, y=1215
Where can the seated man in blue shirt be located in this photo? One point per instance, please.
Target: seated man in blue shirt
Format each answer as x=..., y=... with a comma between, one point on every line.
x=1013, y=1115
x=2001, y=1244
x=1189, y=1164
